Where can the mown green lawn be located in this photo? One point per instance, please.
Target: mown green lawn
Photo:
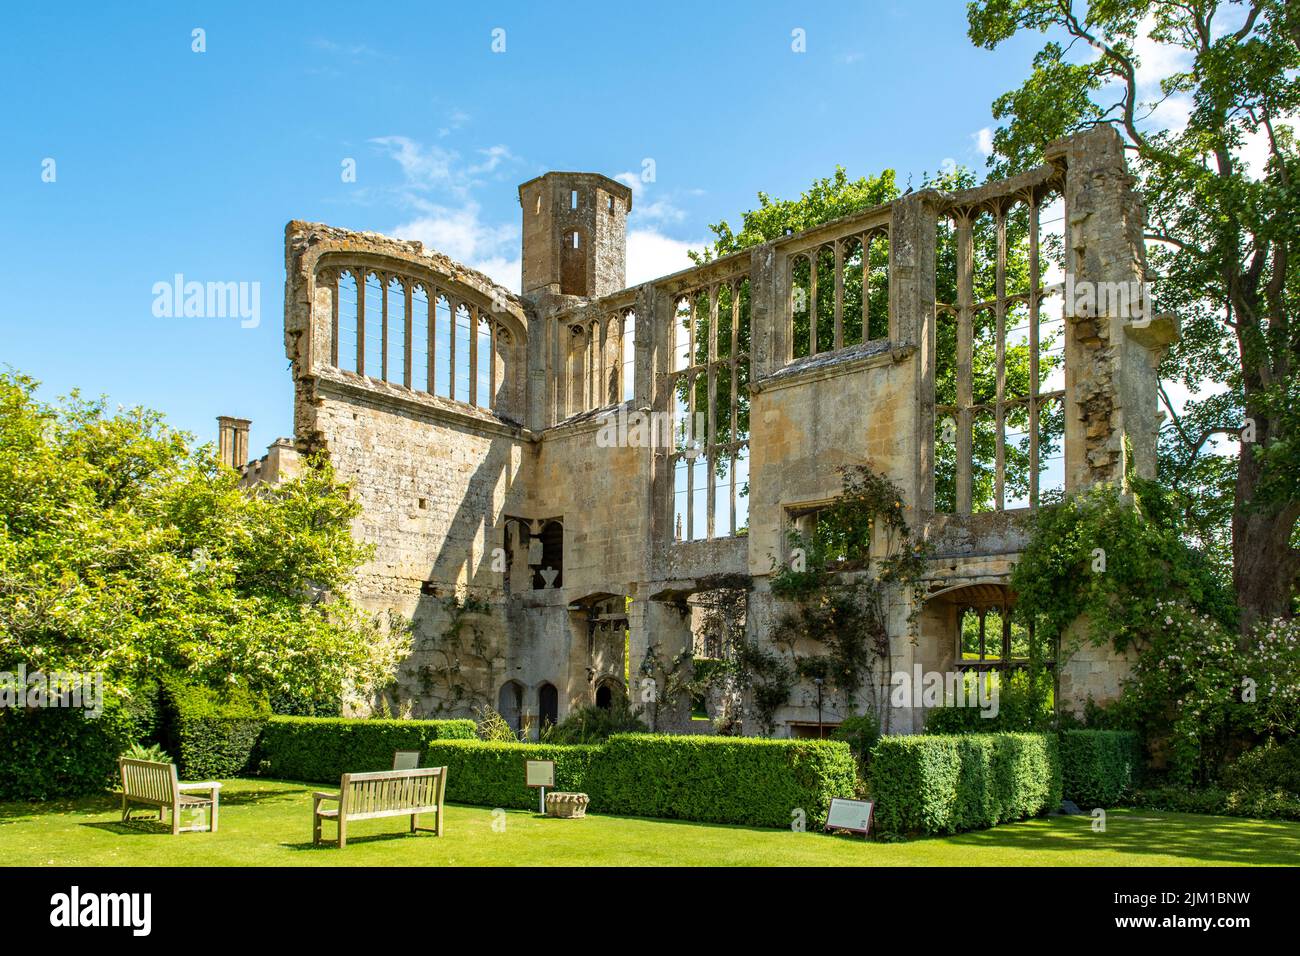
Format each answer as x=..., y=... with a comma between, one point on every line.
x=268, y=823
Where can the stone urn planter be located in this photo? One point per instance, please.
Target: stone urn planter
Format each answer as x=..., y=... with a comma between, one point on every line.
x=566, y=806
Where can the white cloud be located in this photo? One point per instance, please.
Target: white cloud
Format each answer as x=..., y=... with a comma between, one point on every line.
x=423, y=167
x=462, y=235
x=652, y=255
x=493, y=157
x=643, y=209
x=983, y=140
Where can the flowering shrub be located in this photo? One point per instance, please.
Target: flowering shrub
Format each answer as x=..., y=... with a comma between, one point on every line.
x=1195, y=684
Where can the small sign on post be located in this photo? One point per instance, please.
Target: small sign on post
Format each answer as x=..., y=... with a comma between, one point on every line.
x=540, y=774
x=853, y=816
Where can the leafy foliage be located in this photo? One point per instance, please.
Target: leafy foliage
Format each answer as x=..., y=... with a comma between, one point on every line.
x=947, y=784
x=1099, y=768
x=1223, y=234
x=212, y=733
x=595, y=725
x=126, y=552
x=322, y=749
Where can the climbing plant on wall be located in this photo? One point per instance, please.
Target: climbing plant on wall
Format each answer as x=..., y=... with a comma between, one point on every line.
x=835, y=593
x=461, y=673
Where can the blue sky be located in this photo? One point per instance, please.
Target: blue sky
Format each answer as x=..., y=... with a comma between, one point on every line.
x=170, y=161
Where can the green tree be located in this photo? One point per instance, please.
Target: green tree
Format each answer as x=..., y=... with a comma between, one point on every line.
x=1224, y=235
x=125, y=551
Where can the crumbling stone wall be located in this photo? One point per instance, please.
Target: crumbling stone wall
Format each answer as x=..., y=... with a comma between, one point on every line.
x=439, y=480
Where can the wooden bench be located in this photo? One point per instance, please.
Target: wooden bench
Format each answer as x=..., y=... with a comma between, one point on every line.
x=156, y=785
x=383, y=793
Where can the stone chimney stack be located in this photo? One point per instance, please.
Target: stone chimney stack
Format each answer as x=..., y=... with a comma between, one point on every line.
x=232, y=441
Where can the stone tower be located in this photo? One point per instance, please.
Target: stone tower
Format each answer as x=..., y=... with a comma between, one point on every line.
x=575, y=234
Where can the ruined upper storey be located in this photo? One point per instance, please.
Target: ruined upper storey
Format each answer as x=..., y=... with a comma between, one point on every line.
x=1014, y=392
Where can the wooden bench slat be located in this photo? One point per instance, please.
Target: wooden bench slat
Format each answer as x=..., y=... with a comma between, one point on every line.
x=382, y=793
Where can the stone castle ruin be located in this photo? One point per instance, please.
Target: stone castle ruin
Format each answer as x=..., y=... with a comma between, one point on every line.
x=569, y=488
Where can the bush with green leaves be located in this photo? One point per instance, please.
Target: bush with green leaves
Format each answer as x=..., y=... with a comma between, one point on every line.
x=1274, y=766
x=1024, y=705
x=213, y=734
x=55, y=752
x=129, y=552
x=1260, y=804
x=740, y=780
x=949, y=783
x=1099, y=768
x=322, y=749
x=860, y=732
x=154, y=753
x=594, y=725
x=490, y=773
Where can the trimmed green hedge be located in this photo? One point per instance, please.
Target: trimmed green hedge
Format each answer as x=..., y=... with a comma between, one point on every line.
x=1099, y=767
x=212, y=736
x=711, y=779
x=55, y=752
x=740, y=780
x=946, y=784
x=490, y=773
x=322, y=749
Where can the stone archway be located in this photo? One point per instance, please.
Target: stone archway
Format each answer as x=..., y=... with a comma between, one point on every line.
x=548, y=705
x=510, y=703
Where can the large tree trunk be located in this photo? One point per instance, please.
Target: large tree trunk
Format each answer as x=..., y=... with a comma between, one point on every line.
x=1264, y=565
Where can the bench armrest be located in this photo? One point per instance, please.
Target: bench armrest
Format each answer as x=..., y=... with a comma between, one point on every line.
x=205, y=785
x=320, y=795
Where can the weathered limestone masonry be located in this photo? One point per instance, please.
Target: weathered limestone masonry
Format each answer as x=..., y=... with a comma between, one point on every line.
x=543, y=540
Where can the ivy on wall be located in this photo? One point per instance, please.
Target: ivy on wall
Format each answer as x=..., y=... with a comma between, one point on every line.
x=834, y=593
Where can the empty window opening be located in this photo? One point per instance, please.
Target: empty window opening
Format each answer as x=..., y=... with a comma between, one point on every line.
x=573, y=199
x=999, y=364
x=548, y=569
x=710, y=406
x=548, y=706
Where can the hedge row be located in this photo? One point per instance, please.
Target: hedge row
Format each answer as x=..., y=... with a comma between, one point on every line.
x=322, y=749
x=211, y=736
x=737, y=780
x=946, y=784
x=754, y=781
x=1099, y=768
x=50, y=753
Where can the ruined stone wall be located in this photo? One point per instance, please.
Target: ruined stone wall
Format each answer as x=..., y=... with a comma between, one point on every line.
x=437, y=479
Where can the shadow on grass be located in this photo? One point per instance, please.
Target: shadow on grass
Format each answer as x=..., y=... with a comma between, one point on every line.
x=132, y=827
x=1198, y=838
x=331, y=844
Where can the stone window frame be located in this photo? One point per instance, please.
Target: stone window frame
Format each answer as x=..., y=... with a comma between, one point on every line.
x=861, y=235
x=498, y=332
x=687, y=445
x=965, y=410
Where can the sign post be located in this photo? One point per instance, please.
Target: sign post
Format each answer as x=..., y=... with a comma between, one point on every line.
x=540, y=774
x=853, y=816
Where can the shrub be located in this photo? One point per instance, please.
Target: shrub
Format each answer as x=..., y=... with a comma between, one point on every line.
x=491, y=773
x=151, y=752
x=1024, y=706
x=1271, y=767
x=860, y=732
x=946, y=784
x=1261, y=804
x=594, y=725
x=1099, y=767
x=492, y=726
x=54, y=752
x=213, y=735
x=740, y=780
x=322, y=749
